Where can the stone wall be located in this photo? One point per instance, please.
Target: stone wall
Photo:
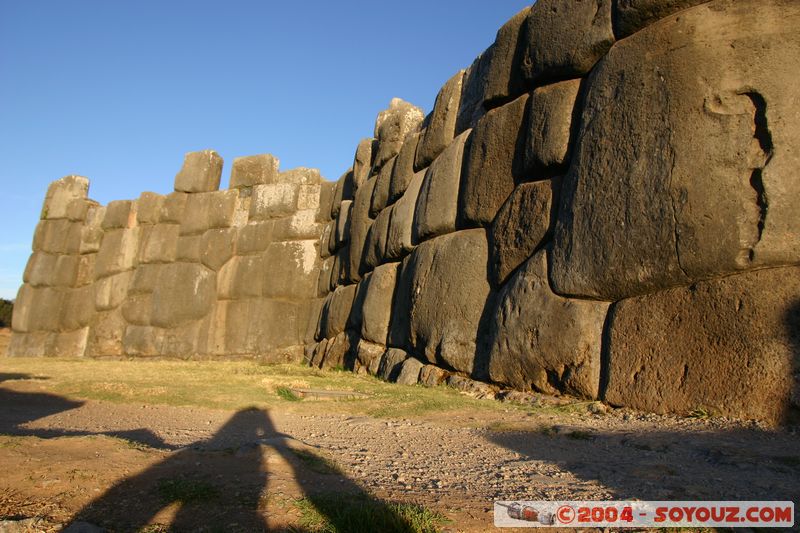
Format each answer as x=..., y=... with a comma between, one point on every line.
x=600, y=205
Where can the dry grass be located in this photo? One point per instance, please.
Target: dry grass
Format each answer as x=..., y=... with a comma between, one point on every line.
x=5, y=338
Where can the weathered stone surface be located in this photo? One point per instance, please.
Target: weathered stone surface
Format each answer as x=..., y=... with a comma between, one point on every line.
x=700, y=179
x=439, y=132
x=188, y=248
x=91, y=233
x=58, y=236
x=274, y=200
x=137, y=309
x=369, y=355
x=110, y=292
x=504, y=76
x=118, y=252
x=148, y=208
x=201, y=172
x=38, y=309
x=291, y=269
x=210, y=210
x=324, y=279
x=301, y=225
x=181, y=340
x=254, y=170
x=543, y=341
x=391, y=364
x=380, y=194
x=142, y=340
x=160, y=244
x=399, y=238
x=242, y=277
x=217, y=247
x=493, y=161
x=120, y=214
x=312, y=324
x=61, y=193
x=308, y=197
x=241, y=214
x=521, y=226
x=728, y=346
x=441, y=294
x=68, y=343
x=340, y=274
x=40, y=268
x=362, y=163
x=566, y=38
x=550, y=123
x=437, y=204
x=85, y=274
x=343, y=225
x=340, y=352
x=473, y=87
x=375, y=246
x=360, y=223
x=391, y=128
x=403, y=170
x=432, y=375
x=33, y=344
x=328, y=232
x=174, y=207
x=254, y=238
x=327, y=191
x=145, y=278
x=183, y=292
x=343, y=191
x=409, y=372
x=379, y=290
x=630, y=16
x=336, y=311
x=106, y=332
x=301, y=176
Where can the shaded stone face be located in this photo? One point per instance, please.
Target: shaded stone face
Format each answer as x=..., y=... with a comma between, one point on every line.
x=542, y=341
x=441, y=127
x=699, y=180
x=726, y=346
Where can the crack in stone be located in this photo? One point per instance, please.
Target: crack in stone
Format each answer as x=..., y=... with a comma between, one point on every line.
x=764, y=138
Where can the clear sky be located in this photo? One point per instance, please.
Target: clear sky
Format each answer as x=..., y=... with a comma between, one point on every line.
x=118, y=91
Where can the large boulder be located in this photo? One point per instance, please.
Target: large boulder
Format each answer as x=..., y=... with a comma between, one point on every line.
x=403, y=170
x=375, y=246
x=360, y=223
x=291, y=270
x=505, y=78
x=493, y=162
x=61, y=194
x=630, y=16
x=336, y=311
x=391, y=128
x=521, y=226
x=543, y=341
x=687, y=156
x=441, y=295
x=399, y=238
x=184, y=292
x=376, y=309
x=362, y=163
x=566, y=38
x=254, y=170
x=441, y=126
x=201, y=172
x=727, y=347
x=437, y=206
x=550, y=125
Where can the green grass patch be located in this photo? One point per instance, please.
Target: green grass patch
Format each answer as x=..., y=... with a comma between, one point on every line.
x=285, y=393
x=340, y=513
x=185, y=490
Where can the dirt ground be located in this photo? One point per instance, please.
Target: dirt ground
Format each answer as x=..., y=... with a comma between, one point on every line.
x=141, y=467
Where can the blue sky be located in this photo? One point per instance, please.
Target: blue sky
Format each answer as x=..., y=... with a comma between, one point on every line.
x=119, y=91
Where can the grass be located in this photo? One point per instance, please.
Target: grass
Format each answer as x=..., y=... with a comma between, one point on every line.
x=234, y=385
x=286, y=393
x=316, y=463
x=339, y=513
x=185, y=490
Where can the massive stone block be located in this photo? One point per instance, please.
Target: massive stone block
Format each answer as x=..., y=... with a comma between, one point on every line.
x=728, y=346
x=399, y=238
x=492, y=162
x=342, y=225
x=327, y=190
x=473, y=87
x=60, y=195
x=700, y=179
x=375, y=246
x=274, y=200
x=111, y=291
x=201, y=172
x=120, y=214
x=160, y=244
x=118, y=252
x=217, y=247
x=137, y=309
x=174, y=207
x=379, y=288
x=360, y=223
x=380, y=194
x=148, y=208
x=210, y=210
x=543, y=341
x=254, y=238
x=403, y=170
x=291, y=270
x=504, y=77
x=550, y=125
x=336, y=311
x=438, y=134
x=40, y=268
x=391, y=128
x=342, y=191
x=106, y=332
x=362, y=163
x=254, y=170
x=242, y=277
x=301, y=225
x=301, y=176
x=58, y=236
x=441, y=294
x=437, y=204
x=91, y=233
x=521, y=226
x=566, y=38
x=630, y=16
x=183, y=292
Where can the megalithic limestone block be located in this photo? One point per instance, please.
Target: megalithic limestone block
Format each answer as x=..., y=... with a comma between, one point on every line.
x=362, y=163
x=391, y=128
x=700, y=179
x=544, y=341
x=201, y=172
x=725, y=346
x=60, y=195
x=550, y=125
x=440, y=130
x=377, y=304
x=505, y=78
x=254, y=170
x=630, y=16
x=403, y=170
